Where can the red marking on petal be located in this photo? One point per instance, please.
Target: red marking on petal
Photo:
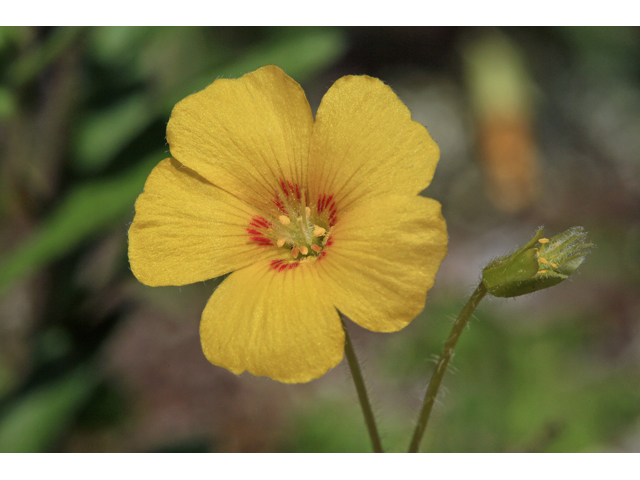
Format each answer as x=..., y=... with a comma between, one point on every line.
x=262, y=221
x=254, y=232
x=329, y=200
x=284, y=187
x=261, y=240
x=290, y=186
x=280, y=206
x=279, y=266
x=297, y=192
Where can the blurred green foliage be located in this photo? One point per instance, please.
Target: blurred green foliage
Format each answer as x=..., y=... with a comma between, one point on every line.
x=520, y=389
x=105, y=133
x=35, y=422
x=85, y=211
x=507, y=390
x=129, y=78
x=91, y=360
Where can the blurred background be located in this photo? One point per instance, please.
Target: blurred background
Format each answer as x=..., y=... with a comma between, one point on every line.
x=536, y=127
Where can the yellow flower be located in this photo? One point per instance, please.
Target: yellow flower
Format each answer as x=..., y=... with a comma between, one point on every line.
x=309, y=216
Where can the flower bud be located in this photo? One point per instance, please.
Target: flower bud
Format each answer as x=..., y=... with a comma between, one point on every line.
x=541, y=263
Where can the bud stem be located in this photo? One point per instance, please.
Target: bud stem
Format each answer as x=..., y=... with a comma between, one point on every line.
x=441, y=367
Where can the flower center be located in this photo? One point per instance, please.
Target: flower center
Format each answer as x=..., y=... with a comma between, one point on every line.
x=300, y=230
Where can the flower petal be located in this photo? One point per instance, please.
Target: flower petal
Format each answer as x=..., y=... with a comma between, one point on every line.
x=187, y=230
x=384, y=257
x=365, y=143
x=245, y=135
x=272, y=323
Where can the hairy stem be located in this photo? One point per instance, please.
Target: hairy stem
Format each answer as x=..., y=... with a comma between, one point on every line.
x=361, y=388
x=441, y=367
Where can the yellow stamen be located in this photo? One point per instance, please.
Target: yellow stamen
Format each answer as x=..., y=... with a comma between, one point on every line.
x=281, y=242
x=316, y=248
x=318, y=231
x=304, y=250
x=284, y=220
x=307, y=211
x=542, y=271
x=543, y=260
x=294, y=252
x=544, y=240
x=554, y=265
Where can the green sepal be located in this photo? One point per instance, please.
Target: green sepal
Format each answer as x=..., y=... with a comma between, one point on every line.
x=538, y=282
x=537, y=265
x=505, y=278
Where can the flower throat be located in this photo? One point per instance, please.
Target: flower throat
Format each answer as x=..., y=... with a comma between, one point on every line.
x=299, y=230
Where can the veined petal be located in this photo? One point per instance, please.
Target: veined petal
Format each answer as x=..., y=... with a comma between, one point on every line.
x=273, y=323
x=245, y=135
x=186, y=230
x=365, y=143
x=384, y=257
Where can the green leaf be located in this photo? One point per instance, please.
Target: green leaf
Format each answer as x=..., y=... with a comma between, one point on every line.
x=86, y=211
x=7, y=103
x=8, y=378
x=33, y=424
x=104, y=133
x=33, y=63
x=300, y=56
x=114, y=45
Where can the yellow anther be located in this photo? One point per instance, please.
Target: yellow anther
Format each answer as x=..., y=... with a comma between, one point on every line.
x=542, y=271
x=307, y=211
x=284, y=220
x=318, y=231
x=304, y=250
x=544, y=240
x=316, y=248
x=554, y=265
x=294, y=252
x=281, y=242
x=543, y=260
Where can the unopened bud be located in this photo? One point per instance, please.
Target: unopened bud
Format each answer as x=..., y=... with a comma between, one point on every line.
x=541, y=263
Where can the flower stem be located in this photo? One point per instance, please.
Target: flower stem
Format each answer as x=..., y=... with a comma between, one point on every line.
x=441, y=367
x=361, y=388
